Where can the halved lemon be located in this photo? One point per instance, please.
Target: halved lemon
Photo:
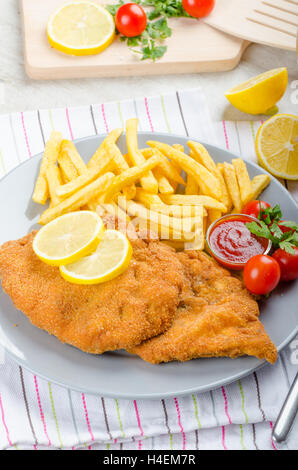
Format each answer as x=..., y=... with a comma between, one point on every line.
x=68, y=238
x=277, y=146
x=260, y=94
x=81, y=28
x=110, y=259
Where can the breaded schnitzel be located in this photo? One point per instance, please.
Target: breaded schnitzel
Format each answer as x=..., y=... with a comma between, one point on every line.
x=138, y=305
x=216, y=317
x=166, y=306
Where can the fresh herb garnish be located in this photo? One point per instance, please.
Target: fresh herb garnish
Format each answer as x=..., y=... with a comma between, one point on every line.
x=149, y=43
x=269, y=227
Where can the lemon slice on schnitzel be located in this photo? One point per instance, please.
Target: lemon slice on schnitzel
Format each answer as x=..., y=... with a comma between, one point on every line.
x=81, y=28
x=277, y=146
x=109, y=260
x=68, y=238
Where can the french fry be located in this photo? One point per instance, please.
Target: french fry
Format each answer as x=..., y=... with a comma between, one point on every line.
x=243, y=178
x=77, y=200
x=54, y=180
x=148, y=182
x=167, y=167
x=90, y=175
x=51, y=152
x=205, y=201
x=206, y=180
x=67, y=168
x=112, y=137
x=226, y=198
x=175, y=165
x=178, y=211
x=192, y=186
x=166, y=227
x=213, y=215
x=202, y=156
x=259, y=183
x=164, y=185
x=232, y=185
x=147, y=198
x=121, y=165
x=71, y=150
x=130, y=176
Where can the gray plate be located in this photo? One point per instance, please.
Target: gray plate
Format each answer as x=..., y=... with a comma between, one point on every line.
x=117, y=374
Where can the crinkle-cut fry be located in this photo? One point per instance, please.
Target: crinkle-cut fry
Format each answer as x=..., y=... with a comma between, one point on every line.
x=232, y=185
x=54, y=180
x=79, y=199
x=167, y=167
x=192, y=186
x=112, y=137
x=226, y=198
x=243, y=178
x=90, y=175
x=51, y=152
x=120, y=165
x=259, y=183
x=207, y=181
x=148, y=181
x=130, y=176
x=69, y=147
x=205, y=201
x=67, y=168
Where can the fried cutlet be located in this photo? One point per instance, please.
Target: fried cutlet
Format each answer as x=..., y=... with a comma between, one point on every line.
x=121, y=313
x=216, y=317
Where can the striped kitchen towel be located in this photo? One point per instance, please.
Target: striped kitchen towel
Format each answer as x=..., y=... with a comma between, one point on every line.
x=38, y=414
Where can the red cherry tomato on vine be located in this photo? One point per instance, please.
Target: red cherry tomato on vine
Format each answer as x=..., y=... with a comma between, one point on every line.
x=131, y=20
x=288, y=264
x=198, y=8
x=253, y=208
x=261, y=274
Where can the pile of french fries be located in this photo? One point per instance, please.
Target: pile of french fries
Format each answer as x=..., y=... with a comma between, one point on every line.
x=145, y=187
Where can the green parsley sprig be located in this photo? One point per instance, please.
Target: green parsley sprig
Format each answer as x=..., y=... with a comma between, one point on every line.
x=269, y=227
x=150, y=43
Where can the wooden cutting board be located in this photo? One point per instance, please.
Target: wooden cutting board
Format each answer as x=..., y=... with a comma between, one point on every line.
x=193, y=47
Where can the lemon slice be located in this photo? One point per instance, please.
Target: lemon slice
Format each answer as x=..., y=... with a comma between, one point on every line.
x=110, y=259
x=260, y=94
x=68, y=238
x=277, y=146
x=81, y=28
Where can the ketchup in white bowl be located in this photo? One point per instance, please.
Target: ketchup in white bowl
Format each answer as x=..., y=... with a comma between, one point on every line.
x=232, y=244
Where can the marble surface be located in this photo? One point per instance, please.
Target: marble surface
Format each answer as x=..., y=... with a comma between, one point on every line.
x=18, y=92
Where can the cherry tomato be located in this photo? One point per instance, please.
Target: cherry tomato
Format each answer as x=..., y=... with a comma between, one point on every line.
x=198, y=8
x=253, y=208
x=131, y=20
x=288, y=264
x=261, y=274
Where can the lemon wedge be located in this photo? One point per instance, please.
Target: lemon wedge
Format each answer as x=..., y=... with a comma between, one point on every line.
x=110, y=259
x=277, y=146
x=81, y=28
x=260, y=94
x=68, y=238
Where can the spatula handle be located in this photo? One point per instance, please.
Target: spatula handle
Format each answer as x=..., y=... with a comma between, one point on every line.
x=287, y=415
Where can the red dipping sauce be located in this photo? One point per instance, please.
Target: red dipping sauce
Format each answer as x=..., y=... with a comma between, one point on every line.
x=231, y=242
